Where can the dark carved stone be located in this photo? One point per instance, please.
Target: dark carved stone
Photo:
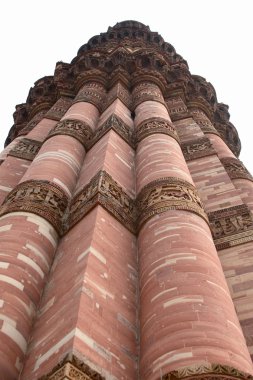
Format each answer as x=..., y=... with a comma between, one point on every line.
x=177, y=109
x=146, y=91
x=43, y=198
x=231, y=226
x=155, y=125
x=103, y=190
x=75, y=128
x=26, y=149
x=168, y=193
x=72, y=368
x=197, y=148
x=203, y=121
x=207, y=372
x=32, y=123
x=118, y=92
x=1, y=161
x=118, y=126
x=93, y=93
x=235, y=168
x=59, y=108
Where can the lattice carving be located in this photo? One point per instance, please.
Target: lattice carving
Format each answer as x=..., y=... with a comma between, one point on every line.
x=72, y=368
x=118, y=126
x=155, y=125
x=59, y=108
x=103, y=190
x=168, y=193
x=43, y=198
x=93, y=93
x=75, y=128
x=231, y=226
x=235, y=168
x=207, y=372
x=197, y=148
x=26, y=149
x=146, y=91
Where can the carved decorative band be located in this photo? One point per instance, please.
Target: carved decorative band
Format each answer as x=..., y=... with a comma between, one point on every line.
x=168, y=193
x=155, y=125
x=92, y=93
x=72, y=368
x=26, y=149
x=32, y=123
x=235, y=168
x=197, y=148
x=59, y=109
x=207, y=372
x=103, y=190
x=42, y=198
x=147, y=91
x=75, y=128
x=231, y=226
x=116, y=124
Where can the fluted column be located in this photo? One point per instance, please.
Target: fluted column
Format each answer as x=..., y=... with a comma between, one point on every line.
x=31, y=221
x=187, y=315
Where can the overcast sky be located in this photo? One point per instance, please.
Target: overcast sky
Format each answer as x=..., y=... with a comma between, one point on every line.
x=215, y=37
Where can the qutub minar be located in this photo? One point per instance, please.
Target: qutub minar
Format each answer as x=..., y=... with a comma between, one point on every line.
x=126, y=228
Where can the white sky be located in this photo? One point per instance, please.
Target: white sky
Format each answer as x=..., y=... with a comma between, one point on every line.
x=215, y=37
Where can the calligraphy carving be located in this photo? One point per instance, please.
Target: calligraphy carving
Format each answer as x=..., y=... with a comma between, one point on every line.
x=118, y=92
x=155, y=125
x=197, y=148
x=235, y=168
x=177, y=109
x=146, y=91
x=75, y=128
x=93, y=93
x=103, y=190
x=116, y=124
x=43, y=198
x=202, y=120
x=72, y=368
x=26, y=149
x=231, y=226
x=168, y=193
x=58, y=110
x=207, y=372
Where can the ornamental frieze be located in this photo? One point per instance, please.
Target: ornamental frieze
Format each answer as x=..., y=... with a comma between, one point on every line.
x=145, y=91
x=235, y=168
x=207, y=372
x=93, y=93
x=42, y=198
x=202, y=120
x=103, y=190
x=72, y=368
x=59, y=108
x=80, y=130
x=118, y=92
x=118, y=126
x=32, y=123
x=165, y=194
x=177, y=109
x=26, y=149
x=155, y=125
x=231, y=226
x=197, y=148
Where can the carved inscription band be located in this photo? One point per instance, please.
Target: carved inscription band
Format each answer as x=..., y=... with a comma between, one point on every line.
x=72, y=368
x=235, y=168
x=146, y=91
x=42, y=198
x=26, y=149
x=155, y=125
x=197, y=148
x=231, y=226
x=159, y=196
x=93, y=93
x=207, y=372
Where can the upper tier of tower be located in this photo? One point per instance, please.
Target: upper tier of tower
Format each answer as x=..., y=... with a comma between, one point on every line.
x=127, y=52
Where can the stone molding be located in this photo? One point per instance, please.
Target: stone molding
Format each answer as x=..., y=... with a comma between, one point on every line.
x=145, y=91
x=80, y=130
x=169, y=193
x=197, y=148
x=59, y=108
x=155, y=125
x=235, y=168
x=103, y=190
x=117, y=125
x=26, y=149
x=39, y=197
x=92, y=92
x=231, y=226
x=72, y=368
x=207, y=372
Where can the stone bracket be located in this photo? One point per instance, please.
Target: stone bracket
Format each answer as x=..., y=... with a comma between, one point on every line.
x=26, y=149
x=231, y=226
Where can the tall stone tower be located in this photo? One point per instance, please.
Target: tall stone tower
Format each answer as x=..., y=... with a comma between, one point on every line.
x=126, y=229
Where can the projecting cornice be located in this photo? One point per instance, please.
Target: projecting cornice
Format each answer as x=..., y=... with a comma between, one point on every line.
x=125, y=50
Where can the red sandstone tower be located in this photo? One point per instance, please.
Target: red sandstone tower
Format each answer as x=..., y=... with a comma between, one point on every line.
x=126, y=229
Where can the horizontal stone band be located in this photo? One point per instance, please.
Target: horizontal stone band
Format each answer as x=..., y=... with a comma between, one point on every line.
x=26, y=149
x=42, y=198
x=207, y=372
x=75, y=128
x=197, y=148
x=169, y=193
x=155, y=125
x=235, y=168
